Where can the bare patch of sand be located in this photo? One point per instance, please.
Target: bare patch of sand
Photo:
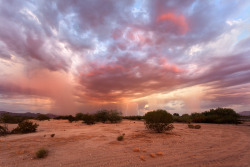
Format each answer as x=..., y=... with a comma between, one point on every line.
x=77, y=144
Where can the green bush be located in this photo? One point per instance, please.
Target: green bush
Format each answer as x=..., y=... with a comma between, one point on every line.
x=52, y=135
x=25, y=127
x=89, y=119
x=176, y=114
x=158, y=121
x=41, y=153
x=120, y=138
x=3, y=131
x=70, y=118
x=194, y=126
x=198, y=117
x=221, y=116
x=114, y=116
x=197, y=127
x=184, y=118
x=102, y=116
x=111, y=116
x=134, y=117
x=79, y=116
x=42, y=117
x=191, y=126
x=8, y=118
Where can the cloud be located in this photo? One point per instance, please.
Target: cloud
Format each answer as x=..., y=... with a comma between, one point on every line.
x=179, y=21
x=89, y=53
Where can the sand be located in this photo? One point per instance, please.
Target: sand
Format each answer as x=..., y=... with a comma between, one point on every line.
x=77, y=144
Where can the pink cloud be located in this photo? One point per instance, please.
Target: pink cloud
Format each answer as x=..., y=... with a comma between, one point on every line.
x=178, y=20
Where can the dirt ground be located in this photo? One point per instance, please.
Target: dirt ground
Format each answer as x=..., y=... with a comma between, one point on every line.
x=77, y=144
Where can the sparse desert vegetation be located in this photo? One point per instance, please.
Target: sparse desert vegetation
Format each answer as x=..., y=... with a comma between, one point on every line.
x=25, y=127
x=41, y=153
x=191, y=126
x=140, y=146
x=78, y=144
x=159, y=121
x=218, y=116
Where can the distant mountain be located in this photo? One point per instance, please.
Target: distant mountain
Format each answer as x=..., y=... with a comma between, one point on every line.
x=27, y=114
x=245, y=113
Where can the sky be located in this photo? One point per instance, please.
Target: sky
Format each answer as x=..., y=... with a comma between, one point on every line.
x=65, y=57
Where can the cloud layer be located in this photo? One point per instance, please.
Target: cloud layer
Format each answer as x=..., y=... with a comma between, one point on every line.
x=86, y=55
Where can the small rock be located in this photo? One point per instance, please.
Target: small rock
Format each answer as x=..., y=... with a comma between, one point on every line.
x=159, y=153
x=142, y=158
x=152, y=155
x=136, y=149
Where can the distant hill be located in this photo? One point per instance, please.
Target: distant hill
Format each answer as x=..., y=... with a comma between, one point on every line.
x=27, y=114
x=245, y=113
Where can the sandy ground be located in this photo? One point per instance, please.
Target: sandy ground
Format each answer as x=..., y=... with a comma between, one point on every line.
x=77, y=144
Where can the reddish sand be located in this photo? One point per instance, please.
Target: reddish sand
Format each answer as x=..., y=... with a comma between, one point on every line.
x=77, y=144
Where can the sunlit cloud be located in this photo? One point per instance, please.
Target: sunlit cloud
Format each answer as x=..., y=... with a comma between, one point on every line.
x=133, y=56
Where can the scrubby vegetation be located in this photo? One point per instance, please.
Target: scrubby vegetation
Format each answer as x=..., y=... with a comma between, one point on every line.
x=218, y=115
x=3, y=130
x=89, y=119
x=190, y=126
x=42, y=117
x=25, y=127
x=79, y=116
x=134, y=117
x=52, y=135
x=121, y=137
x=7, y=118
x=184, y=118
x=104, y=116
x=197, y=127
x=41, y=153
x=70, y=118
x=114, y=116
x=158, y=121
x=194, y=126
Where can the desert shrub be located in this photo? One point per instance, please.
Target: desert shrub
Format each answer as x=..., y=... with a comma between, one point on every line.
x=184, y=118
x=42, y=117
x=41, y=153
x=3, y=131
x=221, y=116
x=138, y=117
x=102, y=116
x=52, y=135
x=191, y=126
x=198, y=117
x=79, y=116
x=197, y=127
x=114, y=116
x=159, y=121
x=120, y=138
x=176, y=114
x=111, y=116
x=70, y=118
x=25, y=127
x=89, y=119
x=8, y=118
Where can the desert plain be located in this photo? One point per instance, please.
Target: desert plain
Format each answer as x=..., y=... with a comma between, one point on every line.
x=77, y=144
